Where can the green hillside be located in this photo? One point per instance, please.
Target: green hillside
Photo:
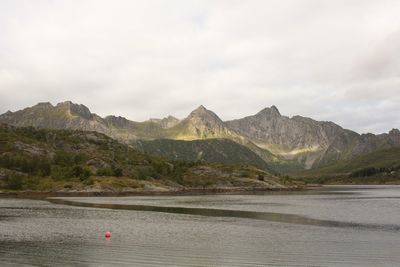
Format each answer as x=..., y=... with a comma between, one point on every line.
x=62, y=160
x=382, y=166
x=209, y=150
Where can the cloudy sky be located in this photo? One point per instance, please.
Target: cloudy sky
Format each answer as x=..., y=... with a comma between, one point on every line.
x=329, y=60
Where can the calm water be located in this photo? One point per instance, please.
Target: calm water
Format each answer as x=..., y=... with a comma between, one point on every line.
x=336, y=226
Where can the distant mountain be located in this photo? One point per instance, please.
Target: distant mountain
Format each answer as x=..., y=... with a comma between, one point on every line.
x=62, y=116
x=283, y=143
x=67, y=115
x=313, y=143
x=202, y=124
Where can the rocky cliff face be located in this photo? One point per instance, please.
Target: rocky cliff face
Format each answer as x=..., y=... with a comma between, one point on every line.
x=269, y=127
x=298, y=138
x=273, y=137
x=313, y=143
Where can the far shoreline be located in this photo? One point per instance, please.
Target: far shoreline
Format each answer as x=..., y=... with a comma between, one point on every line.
x=124, y=192
x=178, y=192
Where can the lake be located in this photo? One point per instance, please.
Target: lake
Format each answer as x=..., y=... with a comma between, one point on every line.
x=332, y=226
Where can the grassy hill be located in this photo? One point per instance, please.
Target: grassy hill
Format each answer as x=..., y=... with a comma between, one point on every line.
x=63, y=160
x=382, y=166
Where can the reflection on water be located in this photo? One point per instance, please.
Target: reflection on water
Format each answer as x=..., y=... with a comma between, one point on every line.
x=268, y=216
x=344, y=226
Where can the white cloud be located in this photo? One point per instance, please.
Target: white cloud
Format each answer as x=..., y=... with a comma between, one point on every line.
x=330, y=60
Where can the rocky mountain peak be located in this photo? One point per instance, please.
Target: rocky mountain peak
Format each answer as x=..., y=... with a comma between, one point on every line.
x=76, y=109
x=275, y=110
x=394, y=136
x=201, y=115
x=65, y=104
x=204, y=114
x=394, y=132
x=201, y=109
x=117, y=121
x=45, y=104
x=203, y=124
x=270, y=112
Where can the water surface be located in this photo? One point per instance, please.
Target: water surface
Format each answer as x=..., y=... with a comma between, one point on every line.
x=337, y=226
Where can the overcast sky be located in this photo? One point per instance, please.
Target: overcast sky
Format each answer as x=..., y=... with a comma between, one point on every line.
x=329, y=60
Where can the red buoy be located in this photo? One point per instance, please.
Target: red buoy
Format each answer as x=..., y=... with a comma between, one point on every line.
x=108, y=234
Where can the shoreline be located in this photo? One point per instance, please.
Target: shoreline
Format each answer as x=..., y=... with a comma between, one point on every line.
x=178, y=192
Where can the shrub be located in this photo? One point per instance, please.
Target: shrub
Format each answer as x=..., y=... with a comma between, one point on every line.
x=59, y=173
x=147, y=172
x=245, y=174
x=85, y=174
x=88, y=182
x=80, y=172
x=364, y=172
x=14, y=181
x=104, y=172
x=117, y=172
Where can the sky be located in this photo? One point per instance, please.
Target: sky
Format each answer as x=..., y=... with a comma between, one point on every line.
x=329, y=60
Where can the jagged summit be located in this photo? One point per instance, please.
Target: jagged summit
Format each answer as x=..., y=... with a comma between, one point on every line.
x=201, y=107
x=44, y=104
x=275, y=110
x=271, y=111
x=394, y=131
x=67, y=102
x=76, y=109
x=200, y=110
x=117, y=121
x=202, y=124
x=204, y=115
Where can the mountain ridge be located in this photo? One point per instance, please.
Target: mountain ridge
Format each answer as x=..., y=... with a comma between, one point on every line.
x=276, y=138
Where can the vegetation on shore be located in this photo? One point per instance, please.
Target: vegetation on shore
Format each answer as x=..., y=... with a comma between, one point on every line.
x=44, y=159
x=379, y=167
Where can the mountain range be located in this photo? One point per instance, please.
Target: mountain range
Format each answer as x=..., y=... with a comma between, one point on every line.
x=266, y=139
